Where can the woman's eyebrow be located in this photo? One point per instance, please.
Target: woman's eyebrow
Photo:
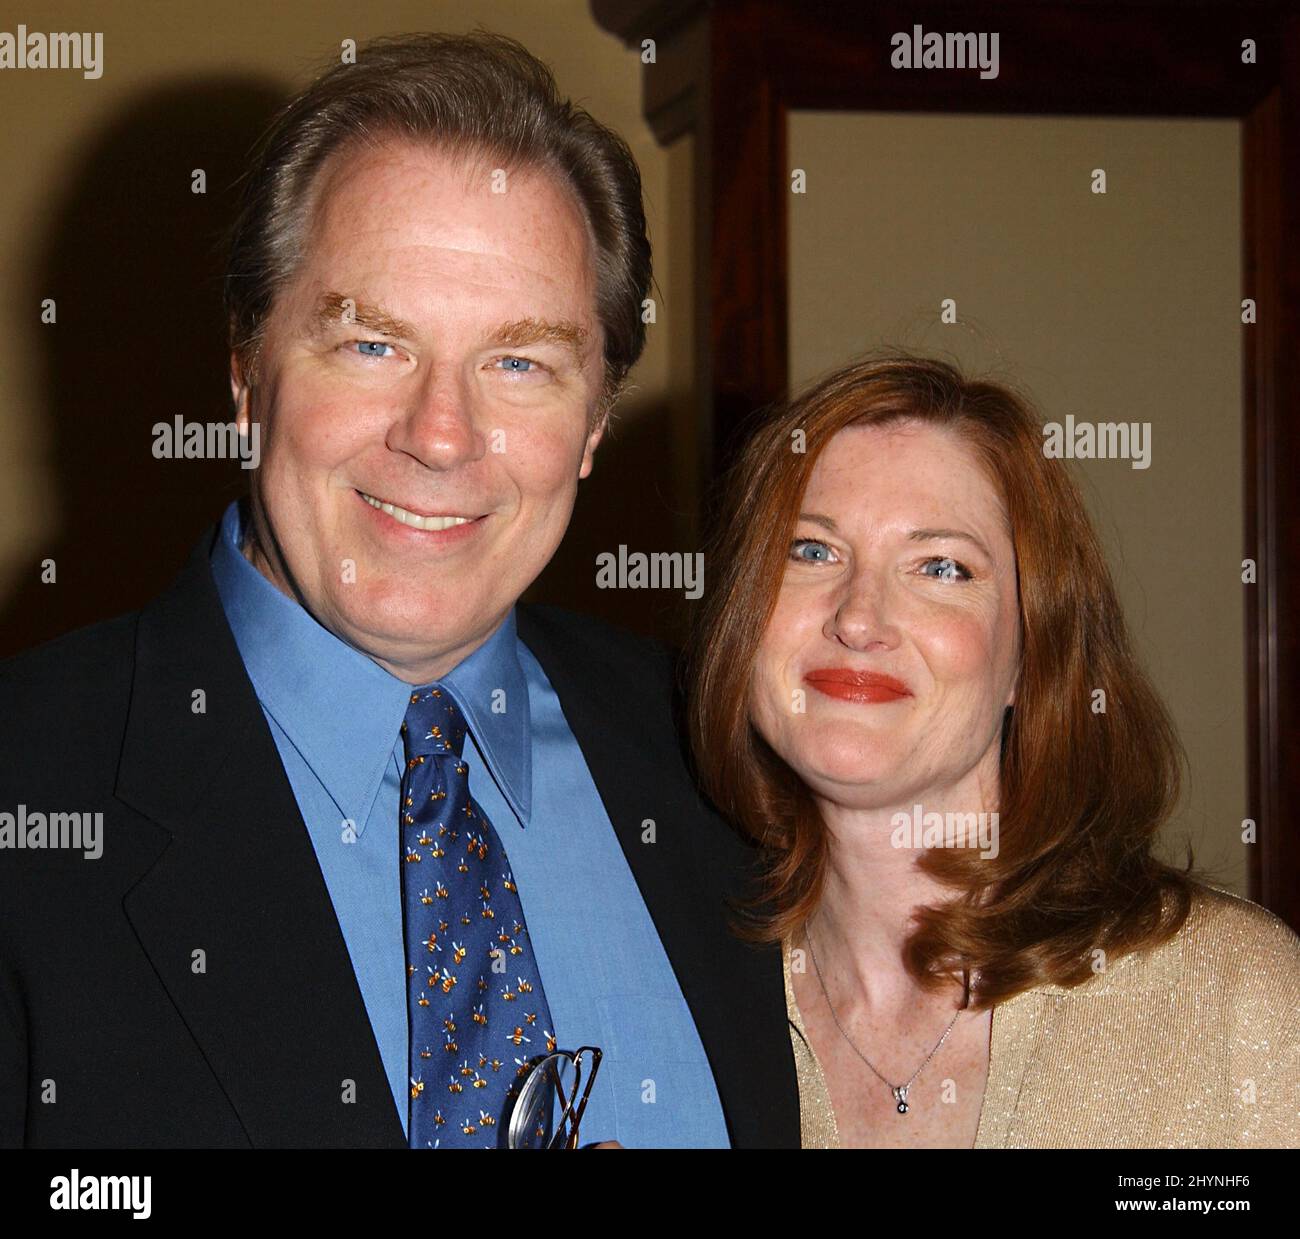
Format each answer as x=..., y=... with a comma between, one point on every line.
x=934, y=535
x=916, y=535
x=816, y=518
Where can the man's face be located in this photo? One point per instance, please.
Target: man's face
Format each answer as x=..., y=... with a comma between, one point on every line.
x=461, y=395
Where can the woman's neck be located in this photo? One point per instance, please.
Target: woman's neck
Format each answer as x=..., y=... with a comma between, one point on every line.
x=873, y=888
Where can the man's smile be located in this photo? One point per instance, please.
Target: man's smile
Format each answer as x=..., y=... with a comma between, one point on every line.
x=416, y=520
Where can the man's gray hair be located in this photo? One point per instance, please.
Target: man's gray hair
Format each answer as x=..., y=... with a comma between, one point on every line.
x=481, y=95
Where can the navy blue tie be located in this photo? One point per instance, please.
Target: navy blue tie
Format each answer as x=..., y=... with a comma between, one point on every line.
x=476, y=1009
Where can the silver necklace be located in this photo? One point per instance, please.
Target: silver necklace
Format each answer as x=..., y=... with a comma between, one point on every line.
x=898, y=1090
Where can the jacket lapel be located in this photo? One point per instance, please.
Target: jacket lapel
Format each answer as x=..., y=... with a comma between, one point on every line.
x=236, y=919
x=235, y=915
x=735, y=991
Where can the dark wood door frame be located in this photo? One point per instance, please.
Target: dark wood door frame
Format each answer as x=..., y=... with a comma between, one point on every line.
x=728, y=72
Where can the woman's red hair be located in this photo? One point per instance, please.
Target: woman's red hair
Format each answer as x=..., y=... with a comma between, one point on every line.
x=1082, y=793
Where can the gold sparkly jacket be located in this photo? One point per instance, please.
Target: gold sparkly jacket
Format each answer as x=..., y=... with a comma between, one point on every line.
x=1192, y=1045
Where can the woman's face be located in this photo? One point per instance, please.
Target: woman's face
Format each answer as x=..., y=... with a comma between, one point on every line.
x=884, y=673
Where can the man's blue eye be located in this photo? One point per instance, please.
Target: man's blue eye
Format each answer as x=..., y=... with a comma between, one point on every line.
x=366, y=345
x=949, y=570
x=799, y=545
x=517, y=365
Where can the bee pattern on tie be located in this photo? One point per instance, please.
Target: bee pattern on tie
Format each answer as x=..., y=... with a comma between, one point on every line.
x=473, y=987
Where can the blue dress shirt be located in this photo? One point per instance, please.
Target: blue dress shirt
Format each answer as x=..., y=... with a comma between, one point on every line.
x=336, y=717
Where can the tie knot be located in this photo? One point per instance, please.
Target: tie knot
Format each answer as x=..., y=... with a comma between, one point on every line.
x=434, y=725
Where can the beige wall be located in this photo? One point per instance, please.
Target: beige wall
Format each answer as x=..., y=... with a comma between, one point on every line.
x=1122, y=307
x=217, y=68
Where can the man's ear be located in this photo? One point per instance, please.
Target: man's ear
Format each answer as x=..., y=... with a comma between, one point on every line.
x=240, y=393
x=593, y=441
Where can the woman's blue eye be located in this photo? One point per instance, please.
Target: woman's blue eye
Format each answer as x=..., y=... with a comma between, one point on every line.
x=799, y=545
x=949, y=570
x=366, y=345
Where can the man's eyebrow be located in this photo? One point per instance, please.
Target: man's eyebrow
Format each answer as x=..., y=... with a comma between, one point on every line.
x=522, y=332
x=336, y=310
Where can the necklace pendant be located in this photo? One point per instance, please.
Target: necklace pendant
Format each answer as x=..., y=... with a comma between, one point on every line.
x=900, y=1095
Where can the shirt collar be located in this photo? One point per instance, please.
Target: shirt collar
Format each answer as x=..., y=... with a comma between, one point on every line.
x=490, y=688
x=340, y=709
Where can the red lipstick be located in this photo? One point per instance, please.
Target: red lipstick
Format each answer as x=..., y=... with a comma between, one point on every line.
x=865, y=686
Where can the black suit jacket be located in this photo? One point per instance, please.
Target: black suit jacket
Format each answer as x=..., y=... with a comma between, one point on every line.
x=108, y=1035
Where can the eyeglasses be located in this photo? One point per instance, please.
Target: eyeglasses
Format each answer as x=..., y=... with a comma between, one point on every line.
x=549, y=1108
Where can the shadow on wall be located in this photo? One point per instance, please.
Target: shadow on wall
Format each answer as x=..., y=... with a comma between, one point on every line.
x=628, y=499
x=134, y=259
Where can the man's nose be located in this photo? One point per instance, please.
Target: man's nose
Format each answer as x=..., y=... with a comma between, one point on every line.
x=439, y=426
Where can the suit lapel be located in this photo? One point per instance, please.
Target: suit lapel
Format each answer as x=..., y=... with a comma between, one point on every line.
x=236, y=919
x=735, y=991
x=235, y=915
